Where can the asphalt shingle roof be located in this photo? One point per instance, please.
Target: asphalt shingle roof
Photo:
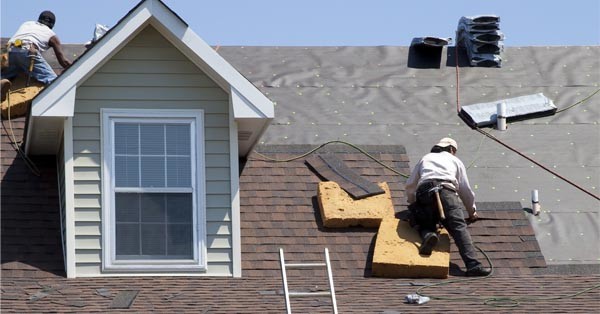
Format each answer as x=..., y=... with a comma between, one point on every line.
x=370, y=95
x=278, y=210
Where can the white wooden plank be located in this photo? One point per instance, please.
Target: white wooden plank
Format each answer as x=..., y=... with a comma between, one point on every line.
x=86, y=119
x=218, y=187
x=217, y=147
x=87, y=160
x=218, y=228
x=87, y=174
x=88, y=256
x=218, y=200
x=88, y=215
x=154, y=80
x=218, y=214
x=87, y=201
x=150, y=67
x=93, y=106
x=149, y=37
x=151, y=93
x=219, y=269
x=86, y=133
x=141, y=53
x=88, y=269
x=219, y=255
x=88, y=243
x=218, y=242
x=216, y=134
x=87, y=228
x=216, y=120
x=87, y=187
x=88, y=146
x=217, y=160
x=217, y=173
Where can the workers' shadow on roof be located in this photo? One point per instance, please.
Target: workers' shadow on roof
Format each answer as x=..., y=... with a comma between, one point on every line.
x=30, y=224
x=425, y=57
x=451, y=57
x=367, y=272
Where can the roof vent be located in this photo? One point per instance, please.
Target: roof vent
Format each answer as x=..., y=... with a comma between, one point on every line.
x=244, y=135
x=430, y=41
x=481, y=37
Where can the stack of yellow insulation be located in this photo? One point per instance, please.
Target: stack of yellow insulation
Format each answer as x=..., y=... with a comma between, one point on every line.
x=19, y=98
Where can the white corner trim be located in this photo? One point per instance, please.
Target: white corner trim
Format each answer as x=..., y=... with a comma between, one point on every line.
x=69, y=198
x=236, y=232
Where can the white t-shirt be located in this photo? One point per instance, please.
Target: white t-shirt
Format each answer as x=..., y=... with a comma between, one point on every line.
x=441, y=166
x=34, y=32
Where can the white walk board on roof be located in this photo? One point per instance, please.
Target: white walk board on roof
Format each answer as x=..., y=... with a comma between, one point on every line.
x=483, y=114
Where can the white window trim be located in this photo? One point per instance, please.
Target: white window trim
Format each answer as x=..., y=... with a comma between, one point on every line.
x=199, y=261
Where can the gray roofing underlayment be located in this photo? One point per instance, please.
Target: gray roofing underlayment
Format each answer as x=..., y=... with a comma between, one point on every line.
x=392, y=96
x=388, y=95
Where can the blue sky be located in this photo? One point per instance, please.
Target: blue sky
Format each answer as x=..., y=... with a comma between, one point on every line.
x=329, y=22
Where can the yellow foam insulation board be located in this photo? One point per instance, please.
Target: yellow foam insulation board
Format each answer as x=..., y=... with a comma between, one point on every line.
x=340, y=210
x=19, y=101
x=20, y=97
x=396, y=253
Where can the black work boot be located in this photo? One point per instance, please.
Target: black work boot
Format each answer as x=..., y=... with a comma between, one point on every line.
x=478, y=271
x=430, y=240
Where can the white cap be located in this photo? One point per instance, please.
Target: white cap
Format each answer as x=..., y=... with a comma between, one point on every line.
x=446, y=141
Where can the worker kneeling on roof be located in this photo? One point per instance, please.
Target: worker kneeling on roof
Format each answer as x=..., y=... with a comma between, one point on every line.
x=26, y=47
x=437, y=189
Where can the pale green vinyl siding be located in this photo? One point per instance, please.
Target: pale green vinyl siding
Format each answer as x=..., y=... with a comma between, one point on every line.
x=150, y=73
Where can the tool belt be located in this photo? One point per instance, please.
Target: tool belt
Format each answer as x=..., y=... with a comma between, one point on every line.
x=20, y=45
x=425, y=211
x=428, y=186
x=24, y=45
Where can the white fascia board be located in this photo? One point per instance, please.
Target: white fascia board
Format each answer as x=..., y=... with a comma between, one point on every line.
x=215, y=66
x=50, y=102
x=64, y=106
x=242, y=108
x=236, y=80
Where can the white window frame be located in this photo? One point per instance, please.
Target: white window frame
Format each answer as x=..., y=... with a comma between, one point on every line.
x=196, y=120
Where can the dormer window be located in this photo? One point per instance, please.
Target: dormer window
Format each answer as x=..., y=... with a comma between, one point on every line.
x=154, y=190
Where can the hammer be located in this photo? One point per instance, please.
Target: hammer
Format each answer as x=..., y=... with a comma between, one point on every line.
x=32, y=52
x=436, y=191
